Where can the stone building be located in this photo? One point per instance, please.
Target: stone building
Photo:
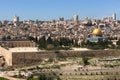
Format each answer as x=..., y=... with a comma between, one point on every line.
x=17, y=43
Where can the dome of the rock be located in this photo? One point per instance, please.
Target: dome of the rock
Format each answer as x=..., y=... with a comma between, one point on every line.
x=96, y=32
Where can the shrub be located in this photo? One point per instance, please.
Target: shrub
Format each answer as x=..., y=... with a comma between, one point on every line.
x=85, y=60
x=86, y=73
x=101, y=73
x=91, y=73
x=96, y=73
x=81, y=73
x=1, y=78
x=107, y=73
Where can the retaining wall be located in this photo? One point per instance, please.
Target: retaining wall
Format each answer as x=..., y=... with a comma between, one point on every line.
x=34, y=58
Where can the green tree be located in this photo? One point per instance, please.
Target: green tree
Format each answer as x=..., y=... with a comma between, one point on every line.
x=45, y=76
x=1, y=78
x=118, y=42
x=31, y=38
x=65, y=41
x=42, y=43
x=85, y=60
x=49, y=40
x=56, y=43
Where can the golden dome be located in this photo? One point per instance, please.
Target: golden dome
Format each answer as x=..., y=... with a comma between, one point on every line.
x=96, y=31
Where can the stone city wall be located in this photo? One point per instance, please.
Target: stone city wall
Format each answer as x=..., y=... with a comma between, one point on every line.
x=90, y=53
x=7, y=55
x=30, y=58
x=34, y=58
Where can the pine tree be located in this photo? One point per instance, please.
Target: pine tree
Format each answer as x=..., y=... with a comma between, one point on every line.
x=42, y=43
x=49, y=40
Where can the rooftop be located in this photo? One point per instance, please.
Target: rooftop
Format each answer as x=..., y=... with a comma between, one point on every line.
x=24, y=49
x=35, y=49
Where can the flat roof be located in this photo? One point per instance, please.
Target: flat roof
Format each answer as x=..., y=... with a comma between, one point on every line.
x=24, y=49
x=80, y=49
x=35, y=49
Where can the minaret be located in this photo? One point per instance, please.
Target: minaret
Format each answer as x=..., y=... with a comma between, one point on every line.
x=15, y=19
x=114, y=16
x=76, y=18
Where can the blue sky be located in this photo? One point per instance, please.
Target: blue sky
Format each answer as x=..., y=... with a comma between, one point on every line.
x=53, y=9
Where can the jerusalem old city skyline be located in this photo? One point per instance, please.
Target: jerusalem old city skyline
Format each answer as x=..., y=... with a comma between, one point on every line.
x=59, y=40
